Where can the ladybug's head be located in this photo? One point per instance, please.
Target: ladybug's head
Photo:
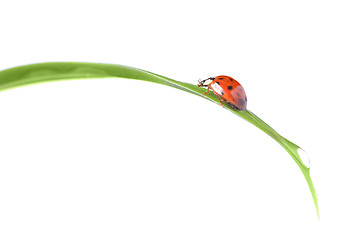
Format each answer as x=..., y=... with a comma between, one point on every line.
x=205, y=83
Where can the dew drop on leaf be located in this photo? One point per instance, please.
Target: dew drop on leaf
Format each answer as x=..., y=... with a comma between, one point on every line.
x=304, y=157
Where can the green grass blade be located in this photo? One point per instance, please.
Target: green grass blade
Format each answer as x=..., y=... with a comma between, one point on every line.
x=55, y=71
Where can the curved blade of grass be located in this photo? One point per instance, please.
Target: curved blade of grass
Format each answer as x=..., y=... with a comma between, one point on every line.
x=54, y=71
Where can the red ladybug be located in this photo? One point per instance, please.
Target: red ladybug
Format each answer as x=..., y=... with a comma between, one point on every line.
x=227, y=90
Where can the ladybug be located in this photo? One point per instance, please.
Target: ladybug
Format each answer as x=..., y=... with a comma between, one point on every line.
x=227, y=90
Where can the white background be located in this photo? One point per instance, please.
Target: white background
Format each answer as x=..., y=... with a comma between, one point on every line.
x=124, y=159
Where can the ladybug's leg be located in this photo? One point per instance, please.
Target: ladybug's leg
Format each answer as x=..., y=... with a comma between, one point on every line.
x=221, y=100
x=207, y=91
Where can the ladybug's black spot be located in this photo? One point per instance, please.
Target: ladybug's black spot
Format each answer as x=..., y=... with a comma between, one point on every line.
x=222, y=93
x=218, y=83
x=231, y=79
x=230, y=87
x=220, y=78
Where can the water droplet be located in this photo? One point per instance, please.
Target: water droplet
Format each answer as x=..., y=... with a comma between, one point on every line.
x=304, y=157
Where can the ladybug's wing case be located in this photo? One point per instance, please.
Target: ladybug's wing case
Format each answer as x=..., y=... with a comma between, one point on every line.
x=239, y=98
x=230, y=90
x=234, y=94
